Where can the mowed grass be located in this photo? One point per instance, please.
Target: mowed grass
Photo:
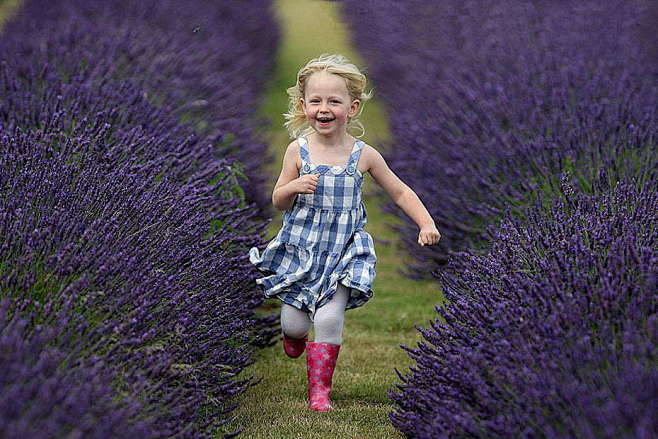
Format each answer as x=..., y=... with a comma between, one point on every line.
x=365, y=372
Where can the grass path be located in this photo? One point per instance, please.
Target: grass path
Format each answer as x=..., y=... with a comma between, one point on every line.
x=276, y=408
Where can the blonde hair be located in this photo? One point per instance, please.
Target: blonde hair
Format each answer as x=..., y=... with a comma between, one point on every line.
x=296, y=122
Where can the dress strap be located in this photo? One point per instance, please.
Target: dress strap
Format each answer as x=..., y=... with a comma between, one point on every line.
x=304, y=153
x=354, y=157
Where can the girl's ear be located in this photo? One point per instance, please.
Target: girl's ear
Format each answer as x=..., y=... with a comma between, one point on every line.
x=354, y=108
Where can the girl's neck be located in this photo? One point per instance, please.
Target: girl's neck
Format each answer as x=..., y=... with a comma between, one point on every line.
x=329, y=142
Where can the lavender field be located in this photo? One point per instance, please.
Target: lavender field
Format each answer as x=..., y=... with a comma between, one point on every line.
x=133, y=182
x=129, y=198
x=529, y=131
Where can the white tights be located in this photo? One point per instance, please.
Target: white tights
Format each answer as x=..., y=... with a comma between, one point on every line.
x=328, y=322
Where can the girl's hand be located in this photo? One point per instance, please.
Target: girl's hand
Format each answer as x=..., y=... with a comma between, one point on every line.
x=429, y=235
x=305, y=184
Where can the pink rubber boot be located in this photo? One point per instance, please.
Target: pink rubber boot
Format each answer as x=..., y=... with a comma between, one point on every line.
x=320, y=364
x=294, y=346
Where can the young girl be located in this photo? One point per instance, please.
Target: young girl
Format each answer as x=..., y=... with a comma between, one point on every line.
x=322, y=261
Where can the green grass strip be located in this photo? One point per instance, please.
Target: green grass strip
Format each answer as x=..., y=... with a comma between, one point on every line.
x=276, y=408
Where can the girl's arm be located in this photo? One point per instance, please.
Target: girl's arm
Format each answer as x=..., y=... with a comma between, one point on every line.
x=290, y=183
x=403, y=196
x=283, y=197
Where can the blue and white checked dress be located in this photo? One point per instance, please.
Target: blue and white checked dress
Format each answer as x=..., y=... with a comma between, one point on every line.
x=322, y=241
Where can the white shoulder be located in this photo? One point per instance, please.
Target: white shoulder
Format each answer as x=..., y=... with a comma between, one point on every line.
x=292, y=154
x=369, y=157
x=293, y=146
x=369, y=150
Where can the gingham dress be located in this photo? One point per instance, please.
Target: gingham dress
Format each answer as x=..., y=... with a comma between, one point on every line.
x=322, y=241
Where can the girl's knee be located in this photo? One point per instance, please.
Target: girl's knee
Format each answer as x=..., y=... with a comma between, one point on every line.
x=329, y=321
x=295, y=329
x=294, y=322
x=294, y=332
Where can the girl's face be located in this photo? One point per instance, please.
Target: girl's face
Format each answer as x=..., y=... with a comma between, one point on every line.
x=327, y=103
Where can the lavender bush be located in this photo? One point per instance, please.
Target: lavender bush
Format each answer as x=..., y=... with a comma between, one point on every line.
x=166, y=297
x=552, y=334
x=541, y=117
x=490, y=104
x=123, y=214
x=75, y=401
x=204, y=63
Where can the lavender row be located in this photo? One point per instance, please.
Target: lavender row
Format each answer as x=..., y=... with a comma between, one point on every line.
x=80, y=399
x=490, y=101
x=127, y=301
x=532, y=129
x=552, y=334
x=167, y=298
x=204, y=64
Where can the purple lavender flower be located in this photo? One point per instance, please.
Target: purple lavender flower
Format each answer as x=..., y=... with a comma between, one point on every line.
x=166, y=301
x=111, y=61
x=490, y=104
x=554, y=333
x=45, y=394
x=123, y=213
x=539, y=123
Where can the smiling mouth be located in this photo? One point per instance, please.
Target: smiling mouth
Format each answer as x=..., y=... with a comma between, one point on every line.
x=325, y=120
